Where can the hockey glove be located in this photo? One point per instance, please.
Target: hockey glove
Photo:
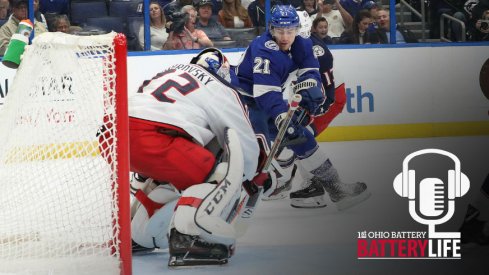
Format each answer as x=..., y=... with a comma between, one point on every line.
x=312, y=99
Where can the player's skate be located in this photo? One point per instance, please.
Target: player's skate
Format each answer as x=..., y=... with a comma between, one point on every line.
x=311, y=196
x=343, y=195
x=187, y=250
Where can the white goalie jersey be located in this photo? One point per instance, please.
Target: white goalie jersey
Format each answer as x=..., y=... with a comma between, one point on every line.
x=190, y=98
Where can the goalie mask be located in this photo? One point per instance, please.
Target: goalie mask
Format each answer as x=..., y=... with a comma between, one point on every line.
x=214, y=61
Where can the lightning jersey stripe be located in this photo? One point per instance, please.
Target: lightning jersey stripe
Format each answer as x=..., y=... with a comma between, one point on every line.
x=259, y=90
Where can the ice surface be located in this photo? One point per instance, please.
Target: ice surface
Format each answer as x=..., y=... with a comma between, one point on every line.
x=286, y=240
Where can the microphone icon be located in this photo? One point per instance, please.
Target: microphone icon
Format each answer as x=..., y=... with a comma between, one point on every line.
x=435, y=202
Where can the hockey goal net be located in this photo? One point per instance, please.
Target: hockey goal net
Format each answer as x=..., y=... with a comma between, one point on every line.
x=64, y=199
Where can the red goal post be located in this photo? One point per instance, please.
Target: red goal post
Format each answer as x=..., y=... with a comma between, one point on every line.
x=64, y=164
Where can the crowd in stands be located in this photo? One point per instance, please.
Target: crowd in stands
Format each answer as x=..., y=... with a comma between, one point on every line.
x=193, y=24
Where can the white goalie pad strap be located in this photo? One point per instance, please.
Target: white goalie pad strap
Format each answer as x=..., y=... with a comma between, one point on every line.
x=151, y=231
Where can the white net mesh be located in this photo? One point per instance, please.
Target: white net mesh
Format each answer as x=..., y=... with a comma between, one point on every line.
x=58, y=204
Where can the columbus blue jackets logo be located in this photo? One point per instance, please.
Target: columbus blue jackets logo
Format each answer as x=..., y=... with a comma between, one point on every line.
x=270, y=44
x=318, y=51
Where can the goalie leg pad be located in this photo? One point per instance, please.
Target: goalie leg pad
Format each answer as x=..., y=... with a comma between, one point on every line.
x=207, y=210
x=149, y=230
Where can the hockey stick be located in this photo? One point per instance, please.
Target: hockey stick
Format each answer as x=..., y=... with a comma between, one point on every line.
x=294, y=104
x=252, y=189
x=301, y=115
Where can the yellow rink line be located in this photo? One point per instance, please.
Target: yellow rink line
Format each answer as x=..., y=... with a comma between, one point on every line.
x=395, y=131
x=80, y=149
x=64, y=150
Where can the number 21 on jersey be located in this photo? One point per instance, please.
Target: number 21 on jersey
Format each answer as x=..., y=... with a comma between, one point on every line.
x=261, y=66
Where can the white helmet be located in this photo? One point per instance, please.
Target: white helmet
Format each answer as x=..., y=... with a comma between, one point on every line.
x=214, y=61
x=306, y=24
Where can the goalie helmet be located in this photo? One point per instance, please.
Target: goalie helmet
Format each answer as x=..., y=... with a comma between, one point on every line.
x=306, y=24
x=214, y=61
x=284, y=16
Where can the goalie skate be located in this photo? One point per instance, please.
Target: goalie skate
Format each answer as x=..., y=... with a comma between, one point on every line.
x=309, y=197
x=140, y=250
x=187, y=250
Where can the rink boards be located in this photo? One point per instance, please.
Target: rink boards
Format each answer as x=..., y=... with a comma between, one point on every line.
x=392, y=92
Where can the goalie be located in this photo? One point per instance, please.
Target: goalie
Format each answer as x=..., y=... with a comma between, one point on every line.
x=176, y=118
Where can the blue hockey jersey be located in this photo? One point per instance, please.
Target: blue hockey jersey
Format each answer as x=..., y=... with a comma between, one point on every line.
x=264, y=68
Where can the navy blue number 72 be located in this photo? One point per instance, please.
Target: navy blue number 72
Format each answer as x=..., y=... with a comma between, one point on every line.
x=160, y=92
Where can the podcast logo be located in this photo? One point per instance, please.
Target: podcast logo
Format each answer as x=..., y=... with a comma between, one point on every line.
x=431, y=202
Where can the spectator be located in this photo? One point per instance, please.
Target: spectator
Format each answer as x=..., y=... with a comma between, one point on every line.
x=454, y=8
x=256, y=11
x=354, y=6
x=157, y=27
x=4, y=9
x=359, y=34
x=19, y=12
x=234, y=15
x=38, y=15
x=320, y=30
x=338, y=19
x=383, y=21
x=478, y=9
x=246, y=3
x=310, y=6
x=482, y=27
x=477, y=13
x=54, y=6
x=216, y=6
x=61, y=24
x=189, y=37
x=372, y=7
x=213, y=29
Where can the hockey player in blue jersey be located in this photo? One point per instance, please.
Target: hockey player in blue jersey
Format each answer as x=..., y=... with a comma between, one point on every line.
x=344, y=195
x=265, y=67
